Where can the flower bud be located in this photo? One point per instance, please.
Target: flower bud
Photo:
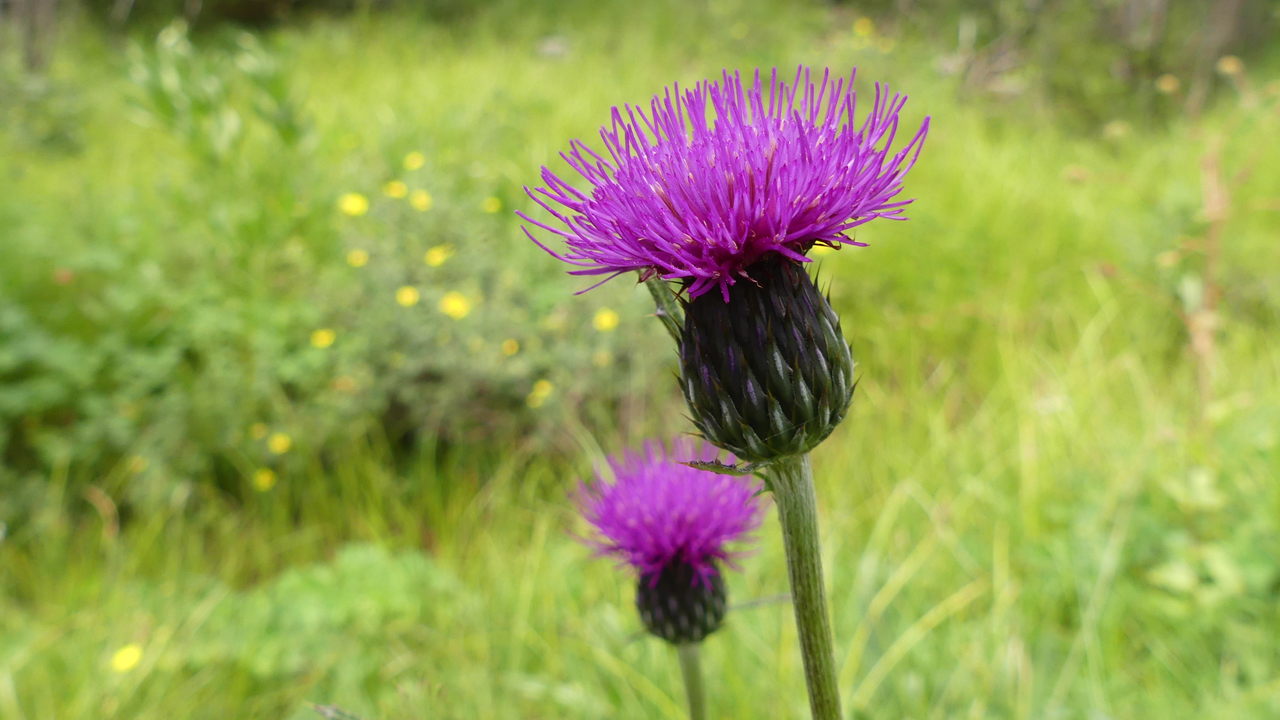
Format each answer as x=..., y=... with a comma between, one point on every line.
x=679, y=605
x=768, y=373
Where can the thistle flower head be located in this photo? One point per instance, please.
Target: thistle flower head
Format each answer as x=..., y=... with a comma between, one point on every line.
x=658, y=513
x=686, y=197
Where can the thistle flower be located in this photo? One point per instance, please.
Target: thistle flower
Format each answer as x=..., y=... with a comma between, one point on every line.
x=765, y=368
x=683, y=198
x=672, y=524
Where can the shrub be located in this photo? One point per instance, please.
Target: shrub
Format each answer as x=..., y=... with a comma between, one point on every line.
x=243, y=307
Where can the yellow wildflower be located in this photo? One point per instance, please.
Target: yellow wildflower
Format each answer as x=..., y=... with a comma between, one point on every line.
x=491, y=205
x=821, y=250
x=357, y=258
x=414, y=160
x=510, y=346
x=420, y=200
x=1168, y=84
x=864, y=27
x=436, y=256
x=605, y=320
x=395, y=189
x=279, y=443
x=407, y=296
x=353, y=204
x=323, y=338
x=1230, y=65
x=1116, y=130
x=126, y=658
x=455, y=305
x=264, y=479
x=541, y=391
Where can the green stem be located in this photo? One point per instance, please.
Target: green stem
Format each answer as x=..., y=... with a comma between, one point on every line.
x=792, y=481
x=691, y=668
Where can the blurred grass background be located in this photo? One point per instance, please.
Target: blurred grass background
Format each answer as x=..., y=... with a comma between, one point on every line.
x=288, y=404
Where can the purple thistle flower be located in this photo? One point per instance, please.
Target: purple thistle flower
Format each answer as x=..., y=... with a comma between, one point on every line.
x=658, y=512
x=780, y=169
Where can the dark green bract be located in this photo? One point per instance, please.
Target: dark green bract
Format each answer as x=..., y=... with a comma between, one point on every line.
x=767, y=374
x=682, y=607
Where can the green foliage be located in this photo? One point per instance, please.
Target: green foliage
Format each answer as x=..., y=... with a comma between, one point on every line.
x=1093, y=61
x=172, y=318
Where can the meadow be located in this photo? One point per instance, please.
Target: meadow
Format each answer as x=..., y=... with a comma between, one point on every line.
x=290, y=407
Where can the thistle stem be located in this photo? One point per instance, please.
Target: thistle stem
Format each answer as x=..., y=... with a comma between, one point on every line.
x=691, y=668
x=793, y=491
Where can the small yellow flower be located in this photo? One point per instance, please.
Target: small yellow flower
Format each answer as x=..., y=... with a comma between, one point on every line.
x=491, y=205
x=541, y=391
x=126, y=658
x=279, y=443
x=436, y=256
x=407, y=296
x=455, y=305
x=864, y=27
x=358, y=258
x=821, y=250
x=1116, y=130
x=323, y=338
x=602, y=358
x=264, y=479
x=1168, y=84
x=420, y=200
x=510, y=347
x=353, y=204
x=137, y=464
x=395, y=189
x=257, y=431
x=1230, y=65
x=605, y=320
x=414, y=160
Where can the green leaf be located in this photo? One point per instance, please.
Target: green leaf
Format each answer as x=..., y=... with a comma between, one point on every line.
x=720, y=468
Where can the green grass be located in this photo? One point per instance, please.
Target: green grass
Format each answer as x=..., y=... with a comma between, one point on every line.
x=1031, y=511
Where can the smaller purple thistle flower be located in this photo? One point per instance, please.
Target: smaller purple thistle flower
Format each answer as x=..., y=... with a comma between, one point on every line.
x=672, y=523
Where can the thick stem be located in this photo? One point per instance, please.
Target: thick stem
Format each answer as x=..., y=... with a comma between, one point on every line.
x=793, y=492
x=691, y=668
